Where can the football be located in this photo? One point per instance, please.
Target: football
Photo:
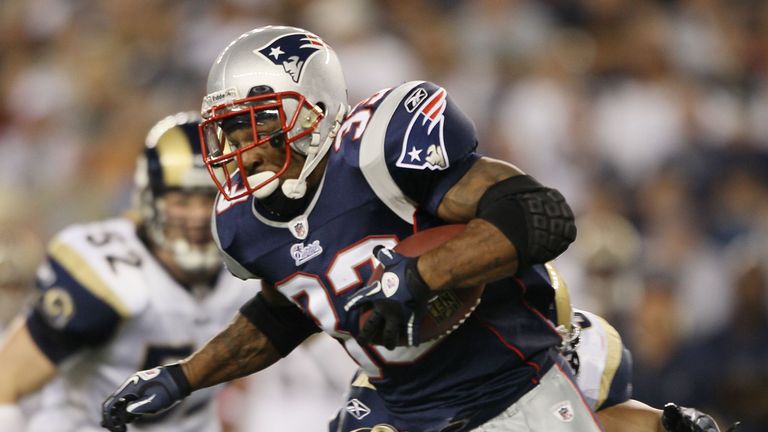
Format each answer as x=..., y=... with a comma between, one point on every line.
x=449, y=309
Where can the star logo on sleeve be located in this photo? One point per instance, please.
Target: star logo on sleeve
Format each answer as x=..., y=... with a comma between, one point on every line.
x=424, y=140
x=415, y=154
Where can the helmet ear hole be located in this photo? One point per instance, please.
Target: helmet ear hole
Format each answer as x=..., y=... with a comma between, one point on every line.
x=260, y=89
x=322, y=107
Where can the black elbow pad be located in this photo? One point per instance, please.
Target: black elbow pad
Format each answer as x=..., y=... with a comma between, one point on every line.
x=535, y=218
x=285, y=326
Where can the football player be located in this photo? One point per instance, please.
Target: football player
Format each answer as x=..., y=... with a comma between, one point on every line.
x=125, y=294
x=603, y=375
x=311, y=193
x=599, y=360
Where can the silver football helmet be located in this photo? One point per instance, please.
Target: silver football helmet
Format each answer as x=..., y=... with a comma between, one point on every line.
x=284, y=76
x=172, y=161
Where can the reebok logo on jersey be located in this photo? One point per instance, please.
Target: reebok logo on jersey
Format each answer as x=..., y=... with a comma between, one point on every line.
x=301, y=253
x=415, y=99
x=424, y=143
x=563, y=411
x=357, y=409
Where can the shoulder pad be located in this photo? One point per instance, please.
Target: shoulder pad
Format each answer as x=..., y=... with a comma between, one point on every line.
x=107, y=259
x=234, y=267
x=415, y=132
x=602, y=352
x=563, y=307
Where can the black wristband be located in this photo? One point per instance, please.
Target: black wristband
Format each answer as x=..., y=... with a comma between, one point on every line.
x=177, y=373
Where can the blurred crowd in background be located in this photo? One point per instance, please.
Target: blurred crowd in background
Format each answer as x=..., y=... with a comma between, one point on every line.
x=650, y=116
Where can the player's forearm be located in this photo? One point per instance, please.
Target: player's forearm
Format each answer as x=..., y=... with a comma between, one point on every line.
x=240, y=350
x=512, y=221
x=631, y=416
x=479, y=255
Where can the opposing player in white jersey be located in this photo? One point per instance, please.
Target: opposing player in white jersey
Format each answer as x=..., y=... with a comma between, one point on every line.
x=125, y=294
x=603, y=369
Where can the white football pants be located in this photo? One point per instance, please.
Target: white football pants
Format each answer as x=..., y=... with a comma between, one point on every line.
x=555, y=405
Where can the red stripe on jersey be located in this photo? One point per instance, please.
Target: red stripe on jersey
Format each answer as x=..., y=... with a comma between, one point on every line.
x=438, y=112
x=509, y=345
x=435, y=100
x=535, y=311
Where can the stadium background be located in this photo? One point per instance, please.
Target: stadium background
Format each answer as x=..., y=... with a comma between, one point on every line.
x=650, y=116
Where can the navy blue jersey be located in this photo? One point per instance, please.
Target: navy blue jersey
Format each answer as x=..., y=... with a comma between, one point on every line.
x=396, y=155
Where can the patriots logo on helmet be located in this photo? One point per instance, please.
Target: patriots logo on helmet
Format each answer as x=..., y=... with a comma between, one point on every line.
x=292, y=52
x=424, y=145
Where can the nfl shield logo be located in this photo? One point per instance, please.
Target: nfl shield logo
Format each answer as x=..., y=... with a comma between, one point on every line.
x=299, y=227
x=389, y=284
x=563, y=411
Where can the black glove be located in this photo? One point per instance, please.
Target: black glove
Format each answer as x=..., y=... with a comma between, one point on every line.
x=145, y=392
x=399, y=301
x=681, y=419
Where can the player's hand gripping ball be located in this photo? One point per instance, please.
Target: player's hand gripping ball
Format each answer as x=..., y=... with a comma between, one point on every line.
x=393, y=316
